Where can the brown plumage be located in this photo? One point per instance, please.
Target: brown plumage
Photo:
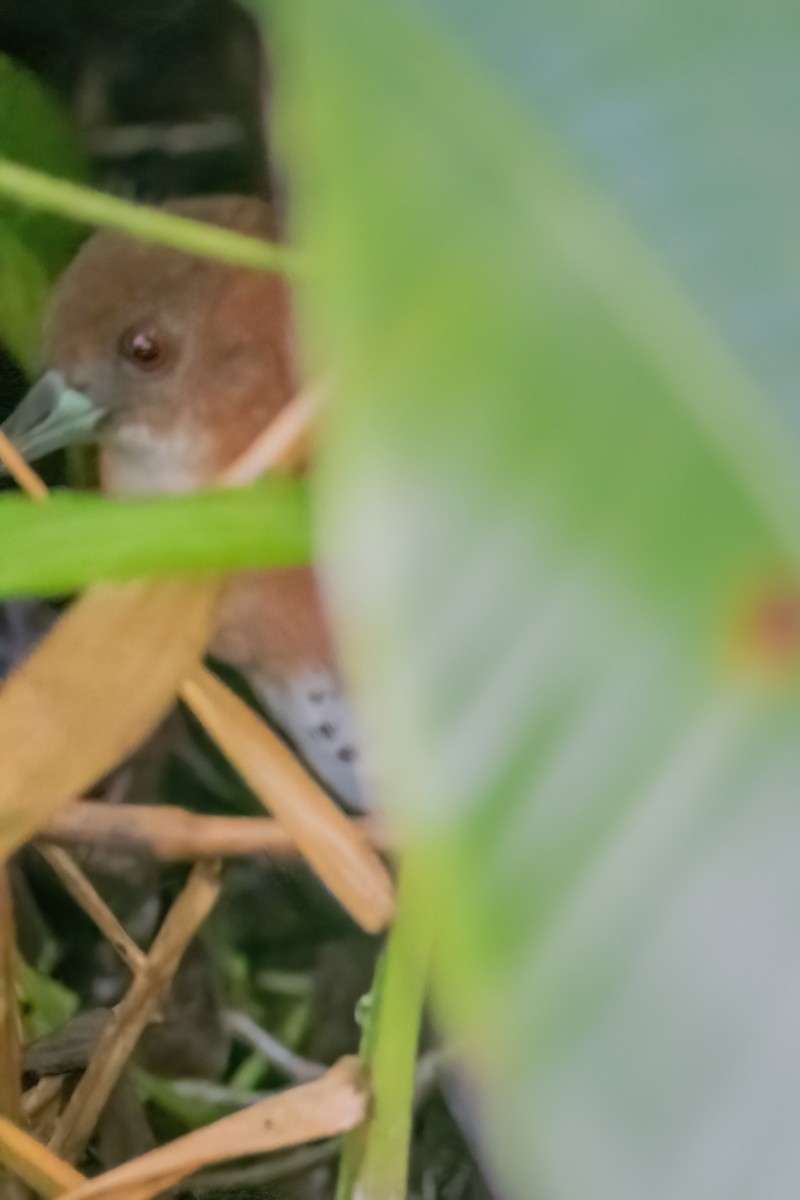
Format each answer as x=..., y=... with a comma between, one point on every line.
x=187, y=360
x=222, y=366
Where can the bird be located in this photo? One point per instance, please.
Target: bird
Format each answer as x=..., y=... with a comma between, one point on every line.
x=172, y=364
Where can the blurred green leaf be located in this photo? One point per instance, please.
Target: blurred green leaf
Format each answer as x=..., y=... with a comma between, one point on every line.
x=34, y=247
x=558, y=250
x=44, y=1002
x=37, y=190
x=24, y=288
x=34, y=129
x=74, y=538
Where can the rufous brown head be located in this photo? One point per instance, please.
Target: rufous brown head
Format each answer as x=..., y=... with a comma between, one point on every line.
x=171, y=362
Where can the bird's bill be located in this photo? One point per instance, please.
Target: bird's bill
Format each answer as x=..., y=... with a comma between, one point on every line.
x=50, y=417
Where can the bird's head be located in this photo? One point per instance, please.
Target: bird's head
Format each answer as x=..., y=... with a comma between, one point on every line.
x=171, y=362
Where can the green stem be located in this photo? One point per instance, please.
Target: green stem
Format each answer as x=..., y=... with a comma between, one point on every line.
x=10, y=1051
x=374, y=1163
x=38, y=190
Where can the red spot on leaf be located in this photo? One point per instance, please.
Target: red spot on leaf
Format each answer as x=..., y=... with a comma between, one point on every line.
x=771, y=633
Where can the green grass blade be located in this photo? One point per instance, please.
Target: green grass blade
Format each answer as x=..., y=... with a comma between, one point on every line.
x=374, y=1164
x=76, y=539
x=38, y=190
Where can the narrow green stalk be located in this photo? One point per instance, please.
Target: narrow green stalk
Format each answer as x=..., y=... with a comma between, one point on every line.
x=374, y=1164
x=10, y=1051
x=38, y=190
x=77, y=539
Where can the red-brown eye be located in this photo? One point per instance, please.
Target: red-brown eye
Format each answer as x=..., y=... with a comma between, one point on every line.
x=143, y=348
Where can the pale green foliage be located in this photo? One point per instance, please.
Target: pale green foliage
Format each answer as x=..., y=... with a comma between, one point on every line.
x=556, y=278
x=33, y=248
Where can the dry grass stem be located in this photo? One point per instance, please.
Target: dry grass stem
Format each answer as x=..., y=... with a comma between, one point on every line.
x=337, y=850
x=284, y=443
x=84, y=894
x=92, y=690
x=176, y=834
x=21, y=471
x=38, y=1166
x=10, y=1050
x=68, y=1048
x=328, y=1106
x=41, y=1105
x=139, y=1006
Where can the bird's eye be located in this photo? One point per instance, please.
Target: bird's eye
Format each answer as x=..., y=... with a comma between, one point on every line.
x=142, y=347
